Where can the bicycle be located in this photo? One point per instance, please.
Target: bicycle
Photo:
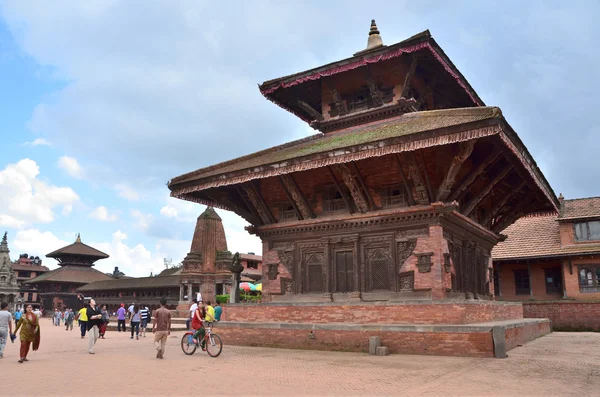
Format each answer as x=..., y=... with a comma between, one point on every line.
x=213, y=344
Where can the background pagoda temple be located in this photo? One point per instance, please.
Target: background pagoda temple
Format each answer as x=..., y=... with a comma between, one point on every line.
x=9, y=289
x=58, y=288
x=402, y=194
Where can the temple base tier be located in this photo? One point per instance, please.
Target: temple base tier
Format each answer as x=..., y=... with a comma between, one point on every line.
x=449, y=328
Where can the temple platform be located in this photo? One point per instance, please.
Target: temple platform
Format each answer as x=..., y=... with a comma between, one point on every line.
x=452, y=328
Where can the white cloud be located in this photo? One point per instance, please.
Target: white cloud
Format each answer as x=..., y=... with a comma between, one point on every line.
x=101, y=214
x=25, y=199
x=71, y=166
x=37, y=243
x=168, y=211
x=38, y=142
x=127, y=192
x=142, y=221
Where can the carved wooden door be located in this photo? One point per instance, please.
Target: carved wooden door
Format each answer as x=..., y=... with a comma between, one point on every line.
x=344, y=271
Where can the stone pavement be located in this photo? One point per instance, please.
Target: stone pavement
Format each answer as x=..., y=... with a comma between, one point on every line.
x=560, y=364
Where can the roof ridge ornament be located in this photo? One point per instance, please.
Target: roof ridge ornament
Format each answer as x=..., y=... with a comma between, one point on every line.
x=374, y=36
x=78, y=240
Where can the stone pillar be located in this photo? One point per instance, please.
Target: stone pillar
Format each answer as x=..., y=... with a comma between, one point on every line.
x=189, y=293
x=180, y=292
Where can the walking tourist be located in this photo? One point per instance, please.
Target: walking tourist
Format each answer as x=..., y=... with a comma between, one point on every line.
x=193, y=309
x=130, y=310
x=57, y=315
x=69, y=317
x=94, y=316
x=121, y=317
x=105, y=321
x=18, y=315
x=5, y=326
x=218, y=311
x=135, y=322
x=83, y=319
x=161, y=327
x=38, y=312
x=30, y=332
x=145, y=314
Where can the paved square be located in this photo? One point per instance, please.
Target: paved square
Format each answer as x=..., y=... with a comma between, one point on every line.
x=561, y=364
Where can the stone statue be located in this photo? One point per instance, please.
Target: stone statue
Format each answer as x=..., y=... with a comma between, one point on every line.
x=236, y=268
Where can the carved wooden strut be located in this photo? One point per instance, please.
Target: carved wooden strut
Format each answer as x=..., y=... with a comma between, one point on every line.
x=465, y=151
x=355, y=191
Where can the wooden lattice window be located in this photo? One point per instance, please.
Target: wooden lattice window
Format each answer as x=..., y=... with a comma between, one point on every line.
x=333, y=200
x=379, y=264
x=315, y=273
x=393, y=196
x=287, y=212
x=344, y=269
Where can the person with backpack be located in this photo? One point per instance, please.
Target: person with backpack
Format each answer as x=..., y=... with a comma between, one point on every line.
x=135, y=322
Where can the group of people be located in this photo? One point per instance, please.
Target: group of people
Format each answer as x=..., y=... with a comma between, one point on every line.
x=67, y=317
x=92, y=320
x=139, y=316
x=201, y=315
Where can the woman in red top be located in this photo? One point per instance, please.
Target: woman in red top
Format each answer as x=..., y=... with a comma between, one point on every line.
x=197, y=323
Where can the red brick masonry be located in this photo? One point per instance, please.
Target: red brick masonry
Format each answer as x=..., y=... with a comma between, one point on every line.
x=469, y=340
x=442, y=312
x=566, y=315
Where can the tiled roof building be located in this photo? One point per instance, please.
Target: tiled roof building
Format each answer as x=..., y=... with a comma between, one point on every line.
x=551, y=255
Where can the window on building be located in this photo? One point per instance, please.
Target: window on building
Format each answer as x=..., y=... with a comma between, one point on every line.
x=333, y=200
x=497, y=283
x=23, y=273
x=393, y=196
x=553, y=281
x=589, y=278
x=252, y=265
x=287, y=212
x=522, y=286
x=585, y=231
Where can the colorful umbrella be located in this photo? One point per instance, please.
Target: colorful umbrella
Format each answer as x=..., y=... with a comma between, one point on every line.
x=247, y=287
x=259, y=287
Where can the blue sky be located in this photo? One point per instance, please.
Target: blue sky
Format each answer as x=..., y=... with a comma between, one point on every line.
x=120, y=96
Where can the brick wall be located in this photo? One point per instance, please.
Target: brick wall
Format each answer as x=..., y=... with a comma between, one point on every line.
x=421, y=313
x=436, y=343
x=520, y=335
x=566, y=315
x=537, y=282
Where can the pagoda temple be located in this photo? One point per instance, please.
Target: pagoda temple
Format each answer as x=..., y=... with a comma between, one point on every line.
x=58, y=288
x=9, y=288
x=401, y=194
x=381, y=225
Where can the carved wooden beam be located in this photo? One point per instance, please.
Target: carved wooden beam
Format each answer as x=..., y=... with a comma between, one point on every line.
x=258, y=203
x=339, y=189
x=501, y=204
x=428, y=91
x=241, y=210
x=290, y=199
x=512, y=215
x=355, y=191
x=340, y=105
x=486, y=190
x=246, y=201
x=409, y=76
x=465, y=150
x=415, y=174
x=296, y=197
x=472, y=177
x=376, y=95
x=423, y=167
x=364, y=187
x=310, y=110
x=409, y=196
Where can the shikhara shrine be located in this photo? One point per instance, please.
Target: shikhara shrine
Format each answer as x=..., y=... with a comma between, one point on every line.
x=400, y=196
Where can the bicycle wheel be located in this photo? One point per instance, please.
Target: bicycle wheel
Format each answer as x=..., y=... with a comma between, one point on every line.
x=187, y=345
x=214, y=346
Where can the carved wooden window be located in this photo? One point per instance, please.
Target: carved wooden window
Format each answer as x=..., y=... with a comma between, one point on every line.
x=379, y=263
x=589, y=278
x=362, y=99
x=251, y=265
x=522, y=284
x=287, y=212
x=393, y=196
x=333, y=200
x=315, y=273
x=553, y=280
x=344, y=271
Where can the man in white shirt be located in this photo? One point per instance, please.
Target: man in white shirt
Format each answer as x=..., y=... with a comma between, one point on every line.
x=37, y=312
x=130, y=310
x=192, y=311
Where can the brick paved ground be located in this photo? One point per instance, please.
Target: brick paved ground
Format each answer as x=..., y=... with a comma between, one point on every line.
x=560, y=364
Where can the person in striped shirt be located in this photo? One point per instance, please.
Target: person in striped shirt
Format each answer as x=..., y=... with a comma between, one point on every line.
x=145, y=315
